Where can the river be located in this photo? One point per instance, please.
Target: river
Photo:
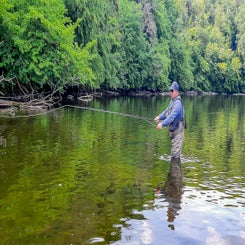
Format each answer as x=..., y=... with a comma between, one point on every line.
x=102, y=174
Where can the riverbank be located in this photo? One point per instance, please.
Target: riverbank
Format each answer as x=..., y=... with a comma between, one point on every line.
x=28, y=104
x=39, y=103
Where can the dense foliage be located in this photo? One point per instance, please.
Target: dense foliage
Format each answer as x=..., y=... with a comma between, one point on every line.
x=122, y=44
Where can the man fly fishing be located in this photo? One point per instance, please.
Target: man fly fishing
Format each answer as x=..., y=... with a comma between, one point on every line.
x=173, y=117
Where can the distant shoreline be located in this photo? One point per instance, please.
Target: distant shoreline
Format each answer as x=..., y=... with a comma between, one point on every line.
x=12, y=105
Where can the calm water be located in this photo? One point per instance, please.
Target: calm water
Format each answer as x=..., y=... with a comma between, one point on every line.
x=76, y=176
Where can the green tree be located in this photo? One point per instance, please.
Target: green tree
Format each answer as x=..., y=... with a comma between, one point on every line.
x=214, y=35
x=123, y=44
x=37, y=46
x=156, y=18
x=239, y=43
x=98, y=23
x=181, y=62
x=134, y=47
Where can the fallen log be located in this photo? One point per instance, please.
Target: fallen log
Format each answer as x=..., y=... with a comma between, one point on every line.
x=86, y=98
x=6, y=103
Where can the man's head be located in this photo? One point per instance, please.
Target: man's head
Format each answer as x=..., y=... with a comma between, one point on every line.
x=174, y=89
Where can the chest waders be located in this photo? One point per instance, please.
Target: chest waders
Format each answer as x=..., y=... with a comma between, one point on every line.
x=176, y=131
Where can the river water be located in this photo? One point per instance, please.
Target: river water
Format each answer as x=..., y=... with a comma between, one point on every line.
x=83, y=176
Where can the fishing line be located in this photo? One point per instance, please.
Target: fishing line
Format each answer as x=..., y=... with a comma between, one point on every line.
x=147, y=119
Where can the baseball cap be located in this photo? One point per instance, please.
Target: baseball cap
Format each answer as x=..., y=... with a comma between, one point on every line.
x=174, y=86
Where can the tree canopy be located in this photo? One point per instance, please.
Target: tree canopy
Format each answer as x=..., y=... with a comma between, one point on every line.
x=122, y=45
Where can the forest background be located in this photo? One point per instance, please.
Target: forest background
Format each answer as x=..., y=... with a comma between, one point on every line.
x=122, y=45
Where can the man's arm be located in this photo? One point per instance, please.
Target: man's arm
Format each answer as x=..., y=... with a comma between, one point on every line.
x=176, y=111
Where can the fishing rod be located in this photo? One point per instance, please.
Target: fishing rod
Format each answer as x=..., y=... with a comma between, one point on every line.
x=147, y=119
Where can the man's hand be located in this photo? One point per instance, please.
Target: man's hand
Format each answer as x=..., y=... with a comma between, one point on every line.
x=159, y=126
x=156, y=119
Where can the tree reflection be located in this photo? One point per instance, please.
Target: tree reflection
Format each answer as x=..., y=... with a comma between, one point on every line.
x=3, y=141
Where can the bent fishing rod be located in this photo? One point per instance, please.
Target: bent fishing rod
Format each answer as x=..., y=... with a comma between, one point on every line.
x=147, y=119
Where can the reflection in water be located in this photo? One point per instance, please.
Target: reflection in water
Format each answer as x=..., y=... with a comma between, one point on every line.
x=87, y=177
x=172, y=190
x=3, y=141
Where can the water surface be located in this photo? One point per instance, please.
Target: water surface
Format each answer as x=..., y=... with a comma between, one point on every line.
x=76, y=176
